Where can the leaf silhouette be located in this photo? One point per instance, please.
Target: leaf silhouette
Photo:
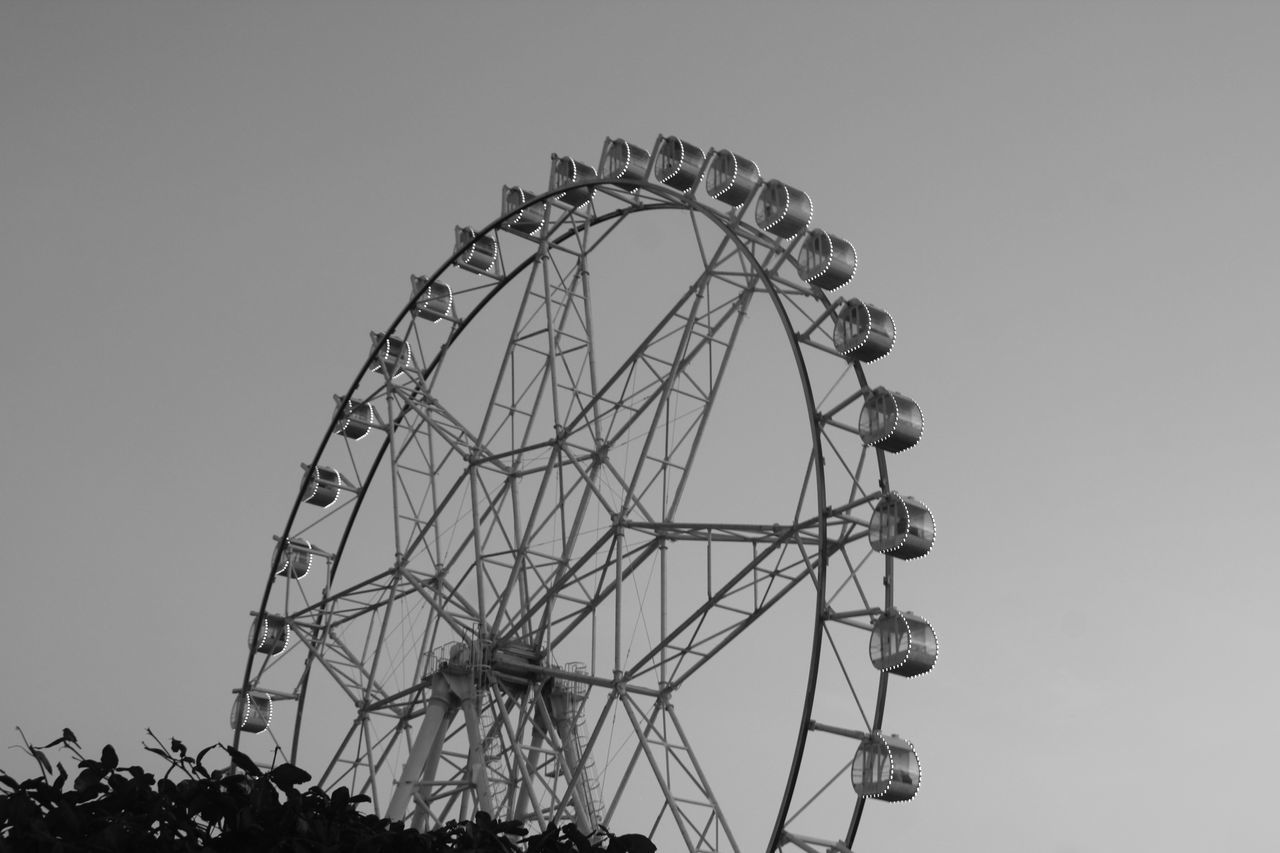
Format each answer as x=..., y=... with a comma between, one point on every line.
x=576, y=836
x=200, y=760
x=286, y=775
x=244, y=762
x=340, y=796
x=41, y=760
x=90, y=777
x=511, y=827
x=631, y=843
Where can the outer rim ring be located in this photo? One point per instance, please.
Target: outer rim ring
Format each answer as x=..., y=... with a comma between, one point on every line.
x=730, y=224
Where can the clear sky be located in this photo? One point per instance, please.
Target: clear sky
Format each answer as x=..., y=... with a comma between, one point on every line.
x=1070, y=209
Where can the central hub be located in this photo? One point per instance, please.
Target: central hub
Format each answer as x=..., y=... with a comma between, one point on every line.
x=513, y=665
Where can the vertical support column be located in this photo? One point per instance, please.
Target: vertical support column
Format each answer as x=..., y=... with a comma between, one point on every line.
x=525, y=802
x=563, y=707
x=420, y=811
x=424, y=755
x=477, y=769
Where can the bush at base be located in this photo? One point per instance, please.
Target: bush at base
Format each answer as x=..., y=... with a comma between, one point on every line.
x=114, y=809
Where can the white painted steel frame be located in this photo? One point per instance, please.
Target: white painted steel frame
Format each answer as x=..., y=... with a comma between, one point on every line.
x=500, y=584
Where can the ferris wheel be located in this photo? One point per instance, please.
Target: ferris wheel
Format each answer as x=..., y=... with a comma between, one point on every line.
x=611, y=490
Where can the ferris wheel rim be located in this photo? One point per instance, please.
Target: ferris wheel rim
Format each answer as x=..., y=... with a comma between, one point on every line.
x=675, y=200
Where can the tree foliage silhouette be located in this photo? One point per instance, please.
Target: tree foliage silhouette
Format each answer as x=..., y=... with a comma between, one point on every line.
x=113, y=809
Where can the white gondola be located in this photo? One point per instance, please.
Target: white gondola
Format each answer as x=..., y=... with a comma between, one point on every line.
x=565, y=171
x=783, y=210
x=269, y=634
x=826, y=261
x=251, y=713
x=731, y=179
x=902, y=527
x=322, y=487
x=479, y=252
x=890, y=421
x=293, y=558
x=520, y=213
x=863, y=332
x=904, y=644
x=677, y=163
x=390, y=356
x=886, y=767
x=432, y=299
x=355, y=420
x=623, y=162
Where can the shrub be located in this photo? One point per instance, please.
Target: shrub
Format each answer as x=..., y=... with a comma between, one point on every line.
x=109, y=808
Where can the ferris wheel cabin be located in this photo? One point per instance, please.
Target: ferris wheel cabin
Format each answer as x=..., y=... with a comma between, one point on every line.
x=863, y=332
x=293, y=558
x=432, y=299
x=355, y=420
x=251, y=712
x=623, y=162
x=826, y=261
x=522, y=214
x=890, y=421
x=731, y=179
x=269, y=634
x=565, y=171
x=390, y=356
x=886, y=767
x=479, y=252
x=678, y=164
x=901, y=527
x=783, y=210
x=904, y=644
x=323, y=486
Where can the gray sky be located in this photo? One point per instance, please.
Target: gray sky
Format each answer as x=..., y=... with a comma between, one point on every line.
x=1070, y=210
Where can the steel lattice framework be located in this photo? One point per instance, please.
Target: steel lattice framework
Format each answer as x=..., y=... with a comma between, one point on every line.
x=497, y=576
